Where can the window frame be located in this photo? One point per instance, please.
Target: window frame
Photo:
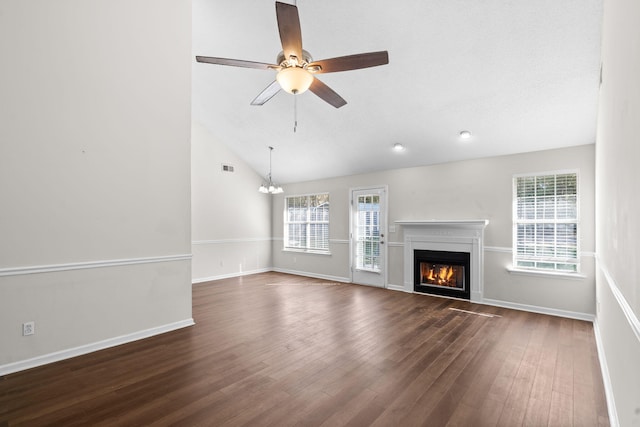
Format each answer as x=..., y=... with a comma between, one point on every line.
x=516, y=259
x=308, y=222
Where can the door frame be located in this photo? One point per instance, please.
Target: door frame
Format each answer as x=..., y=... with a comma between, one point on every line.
x=384, y=209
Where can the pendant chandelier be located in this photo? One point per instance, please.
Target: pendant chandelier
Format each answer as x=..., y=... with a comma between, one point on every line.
x=268, y=187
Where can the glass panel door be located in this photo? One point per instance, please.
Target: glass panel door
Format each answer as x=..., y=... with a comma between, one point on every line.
x=368, y=208
x=368, y=232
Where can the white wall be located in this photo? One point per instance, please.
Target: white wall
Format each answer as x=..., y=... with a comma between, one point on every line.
x=618, y=208
x=476, y=189
x=231, y=225
x=94, y=174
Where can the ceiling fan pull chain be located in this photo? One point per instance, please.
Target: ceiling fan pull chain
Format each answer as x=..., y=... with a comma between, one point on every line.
x=295, y=113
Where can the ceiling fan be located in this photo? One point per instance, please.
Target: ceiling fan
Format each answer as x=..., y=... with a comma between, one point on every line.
x=296, y=69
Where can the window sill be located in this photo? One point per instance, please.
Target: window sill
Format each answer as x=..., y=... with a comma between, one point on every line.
x=306, y=251
x=543, y=273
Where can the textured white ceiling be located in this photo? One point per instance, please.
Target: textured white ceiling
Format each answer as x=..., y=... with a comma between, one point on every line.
x=521, y=75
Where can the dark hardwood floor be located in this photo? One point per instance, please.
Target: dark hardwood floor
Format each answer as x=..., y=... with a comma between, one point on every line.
x=278, y=350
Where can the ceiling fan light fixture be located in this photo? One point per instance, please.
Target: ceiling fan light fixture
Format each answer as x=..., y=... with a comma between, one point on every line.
x=294, y=80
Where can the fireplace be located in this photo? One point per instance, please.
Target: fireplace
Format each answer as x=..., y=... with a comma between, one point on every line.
x=442, y=273
x=445, y=237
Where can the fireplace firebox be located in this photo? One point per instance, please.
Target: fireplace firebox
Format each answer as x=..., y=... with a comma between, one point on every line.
x=442, y=273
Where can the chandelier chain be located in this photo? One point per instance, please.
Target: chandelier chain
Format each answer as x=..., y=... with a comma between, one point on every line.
x=269, y=186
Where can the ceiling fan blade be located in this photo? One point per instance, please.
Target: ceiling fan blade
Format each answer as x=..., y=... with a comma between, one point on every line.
x=350, y=62
x=268, y=93
x=326, y=93
x=237, y=63
x=289, y=27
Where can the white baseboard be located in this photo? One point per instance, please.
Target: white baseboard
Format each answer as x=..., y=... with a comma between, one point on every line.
x=230, y=275
x=314, y=275
x=90, y=348
x=515, y=306
x=606, y=379
x=278, y=270
x=400, y=288
x=542, y=310
x=475, y=297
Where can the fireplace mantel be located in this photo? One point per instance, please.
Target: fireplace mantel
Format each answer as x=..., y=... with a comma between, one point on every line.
x=474, y=223
x=446, y=235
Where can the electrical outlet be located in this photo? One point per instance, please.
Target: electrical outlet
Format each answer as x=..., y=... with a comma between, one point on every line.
x=28, y=328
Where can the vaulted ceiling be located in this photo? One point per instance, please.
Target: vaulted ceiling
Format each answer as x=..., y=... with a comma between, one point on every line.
x=519, y=75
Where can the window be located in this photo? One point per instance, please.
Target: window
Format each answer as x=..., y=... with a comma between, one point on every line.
x=545, y=222
x=368, y=232
x=306, y=223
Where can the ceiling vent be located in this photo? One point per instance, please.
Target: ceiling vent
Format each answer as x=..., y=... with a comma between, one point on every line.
x=227, y=168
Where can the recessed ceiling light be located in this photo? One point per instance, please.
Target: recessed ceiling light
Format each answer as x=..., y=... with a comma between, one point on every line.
x=465, y=134
x=398, y=147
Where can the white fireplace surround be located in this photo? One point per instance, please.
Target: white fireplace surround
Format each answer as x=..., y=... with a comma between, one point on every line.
x=452, y=236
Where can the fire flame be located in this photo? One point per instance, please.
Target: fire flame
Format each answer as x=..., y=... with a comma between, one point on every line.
x=441, y=275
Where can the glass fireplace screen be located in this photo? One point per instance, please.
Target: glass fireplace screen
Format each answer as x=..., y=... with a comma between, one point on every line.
x=446, y=275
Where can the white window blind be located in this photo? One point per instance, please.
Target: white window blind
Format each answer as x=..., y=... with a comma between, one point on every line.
x=545, y=222
x=306, y=224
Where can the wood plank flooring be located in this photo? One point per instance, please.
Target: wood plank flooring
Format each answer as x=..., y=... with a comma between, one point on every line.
x=280, y=350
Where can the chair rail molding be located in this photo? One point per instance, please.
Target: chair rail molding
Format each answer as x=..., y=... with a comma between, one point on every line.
x=52, y=268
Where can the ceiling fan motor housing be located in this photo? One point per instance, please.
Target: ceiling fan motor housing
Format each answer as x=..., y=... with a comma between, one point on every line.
x=300, y=62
